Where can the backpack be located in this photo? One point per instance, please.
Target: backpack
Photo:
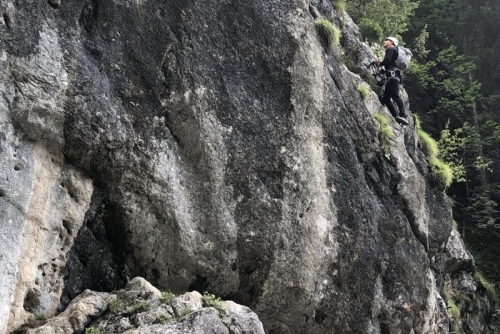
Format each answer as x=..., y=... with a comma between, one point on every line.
x=404, y=57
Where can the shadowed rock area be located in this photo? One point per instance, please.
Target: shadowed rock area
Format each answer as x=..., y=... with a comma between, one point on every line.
x=210, y=145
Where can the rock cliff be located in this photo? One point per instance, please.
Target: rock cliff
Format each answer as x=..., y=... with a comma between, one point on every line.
x=210, y=145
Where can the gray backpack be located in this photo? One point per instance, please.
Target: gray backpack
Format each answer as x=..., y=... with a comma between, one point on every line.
x=404, y=58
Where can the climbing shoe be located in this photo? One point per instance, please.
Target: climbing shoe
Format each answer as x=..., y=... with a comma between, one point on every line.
x=402, y=120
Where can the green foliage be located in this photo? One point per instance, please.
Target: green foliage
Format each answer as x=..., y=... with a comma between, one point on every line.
x=489, y=287
x=371, y=30
x=364, y=91
x=210, y=300
x=139, y=307
x=186, y=311
x=454, y=312
x=427, y=144
x=94, y=330
x=340, y=6
x=385, y=133
x=328, y=32
x=115, y=305
x=166, y=297
x=163, y=319
x=391, y=15
x=441, y=173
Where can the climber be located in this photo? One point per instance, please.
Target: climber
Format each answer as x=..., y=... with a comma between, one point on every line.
x=394, y=76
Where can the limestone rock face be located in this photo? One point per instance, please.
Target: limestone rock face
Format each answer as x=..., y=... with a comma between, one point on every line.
x=212, y=146
x=139, y=308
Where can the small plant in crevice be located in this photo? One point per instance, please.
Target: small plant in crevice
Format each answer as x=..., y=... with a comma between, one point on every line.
x=385, y=133
x=137, y=308
x=166, y=297
x=328, y=32
x=94, y=330
x=210, y=300
x=163, y=319
x=340, y=6
x=364, y=91
x=115, y=305
x=454, y=313
x=453, y=309
x=186, y=311
x=427, y=144
x=441, y=173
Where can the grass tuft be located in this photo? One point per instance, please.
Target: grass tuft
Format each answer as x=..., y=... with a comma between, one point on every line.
x=441, y=173
x=385, y=133
x=340, y=6
x=428, y=145
x=328, y=32
x=364, y=91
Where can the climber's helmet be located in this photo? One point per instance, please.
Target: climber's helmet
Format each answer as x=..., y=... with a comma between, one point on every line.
x=393, y=40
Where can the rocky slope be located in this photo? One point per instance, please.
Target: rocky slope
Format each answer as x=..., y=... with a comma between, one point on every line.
x=213, y=146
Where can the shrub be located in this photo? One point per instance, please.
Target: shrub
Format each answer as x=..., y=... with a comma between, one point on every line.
x=328, y=32
x=371, y=30
x=166, y=297
x=364, y=91
x=139, y=307
x=385, y=133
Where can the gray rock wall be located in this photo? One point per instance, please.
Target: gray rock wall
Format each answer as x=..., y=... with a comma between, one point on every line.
x=209, y=145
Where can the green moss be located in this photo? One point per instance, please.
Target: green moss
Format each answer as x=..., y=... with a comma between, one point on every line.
x=328, y=32
x=139, y=307
x=385, y=133
x=166, y=297
x=364, y=91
